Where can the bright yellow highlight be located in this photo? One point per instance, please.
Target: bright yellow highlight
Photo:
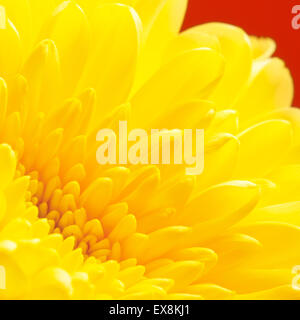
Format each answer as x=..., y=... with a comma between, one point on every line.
x=72, y=229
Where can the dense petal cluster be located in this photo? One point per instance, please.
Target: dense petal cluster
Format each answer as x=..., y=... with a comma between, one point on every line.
x=72, y=229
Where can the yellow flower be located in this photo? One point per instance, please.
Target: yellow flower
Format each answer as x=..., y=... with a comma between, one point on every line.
x=72, y=229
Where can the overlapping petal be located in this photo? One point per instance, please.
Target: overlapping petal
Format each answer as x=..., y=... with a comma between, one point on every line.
x=72, y=229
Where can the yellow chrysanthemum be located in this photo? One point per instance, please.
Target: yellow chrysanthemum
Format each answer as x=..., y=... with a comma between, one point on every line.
x=72, y=229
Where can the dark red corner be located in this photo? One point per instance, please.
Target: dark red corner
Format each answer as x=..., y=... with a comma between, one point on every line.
x=269, y=18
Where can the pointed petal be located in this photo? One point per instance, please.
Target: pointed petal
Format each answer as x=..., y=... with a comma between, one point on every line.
x=270, y=87
x=190, y=75
x=10, y=54
x=162, y=20
x=237, y=52
x=68, y=28
x=111, y=65
x=42, y=70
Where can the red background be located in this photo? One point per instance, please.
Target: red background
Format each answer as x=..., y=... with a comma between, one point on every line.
x=268, y=18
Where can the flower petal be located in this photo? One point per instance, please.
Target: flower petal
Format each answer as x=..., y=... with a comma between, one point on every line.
x=10, y=55
x=7, y=165
x=42, y=69
x=218, y=202
x=237, y=52
x=190, y=75
x=162, y=23
x=270, y=87
x=68, y=28
x=263, y=48
x=111, y=65
x=271, y=140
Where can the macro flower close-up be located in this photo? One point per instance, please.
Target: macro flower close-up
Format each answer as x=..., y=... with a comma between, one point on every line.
x=71, y=228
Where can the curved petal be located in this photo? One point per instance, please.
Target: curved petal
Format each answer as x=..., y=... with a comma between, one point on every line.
x=237, y=52
x=190, y=75
x=270, y=87
x=220, y=160
x=263, y=48
x=111, y=65
x=263, y=146
x=285, y=292
x=68, y=28
x=163, y=24
x=280, y=242
x=11, y=53
x=218, y=202
x=42, y=70
x=19, y=12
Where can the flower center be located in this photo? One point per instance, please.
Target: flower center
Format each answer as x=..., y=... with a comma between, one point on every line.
x=61, y=207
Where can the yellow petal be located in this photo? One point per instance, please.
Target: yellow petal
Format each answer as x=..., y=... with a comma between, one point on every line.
x=15, y=280
x=72, y=261
x=192, y=114
x=234, y=251
x=270, y=87
x=33, y=258
x=290, y=114
x=134, y=245
x=123, y=229
x=280, y=251
x=210, y=291
x=40, y=12
x=162, y=241
x=183, y=273
x=119, y=176
x=279, y=293
x=236, y=48
x=286, y=179
x=2, y=206
x=225, y=121
x=190, y=75
x=288, y=212
x=10, y=56
x=52, y=284
x=207, y=256
x=3, y=101
x=15, y=196
x=226, y=211
x=254, y=280
x=68, y=28
x=167, y=22
x=111, y=65
x=162, y=20
x=221, y=156
x=191, y=39
x=89, y=6
x=143, y=194
x=49, y=147
x=270, y=140
x=97, y=196
x=263, y=48
x=43, y=71
x=7, y=165
x=132, y=275
x=184, y=296
x=219, y=201
x=148, y=292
